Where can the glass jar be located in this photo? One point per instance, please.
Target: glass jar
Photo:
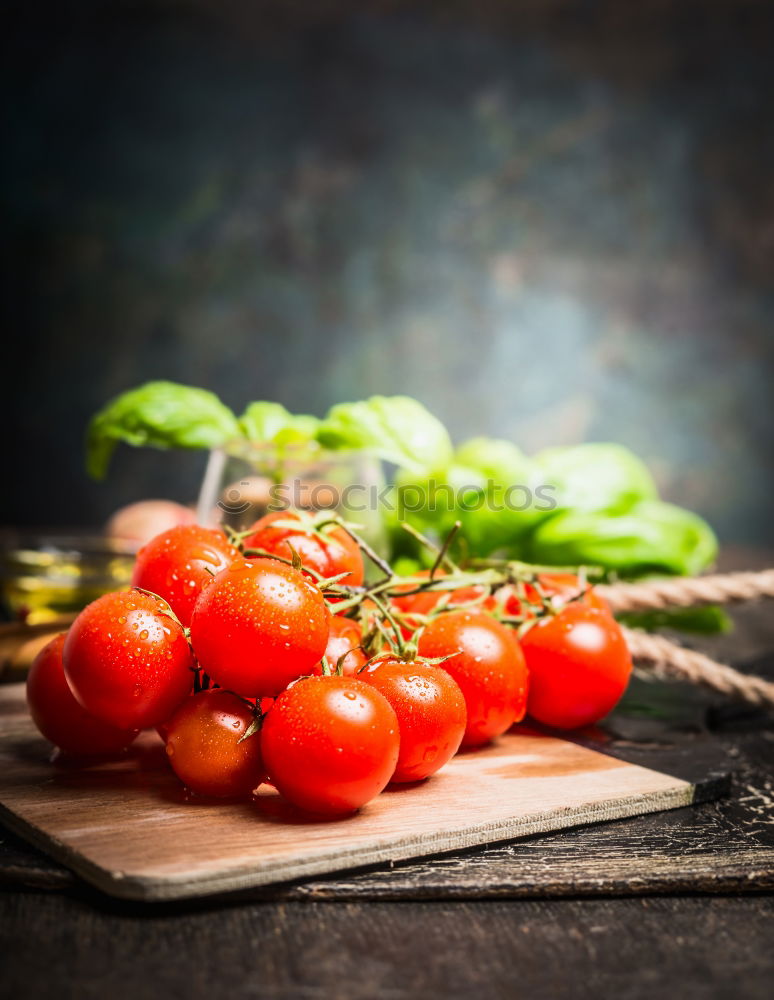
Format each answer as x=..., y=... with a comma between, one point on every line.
x=244, y=481
x=48, y=579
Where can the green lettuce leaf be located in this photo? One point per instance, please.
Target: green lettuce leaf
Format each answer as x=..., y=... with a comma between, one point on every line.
x=159, y=415
x=397, y=428
x=651, y=536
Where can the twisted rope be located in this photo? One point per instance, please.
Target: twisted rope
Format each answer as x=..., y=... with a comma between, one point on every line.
x=666, y=660
x=687, y=592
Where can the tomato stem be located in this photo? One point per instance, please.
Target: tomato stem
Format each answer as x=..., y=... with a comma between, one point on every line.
x=391, y=619
x=376, y=559
x=441, y=557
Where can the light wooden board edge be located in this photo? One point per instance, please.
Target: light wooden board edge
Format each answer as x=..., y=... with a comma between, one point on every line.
x=169, y=888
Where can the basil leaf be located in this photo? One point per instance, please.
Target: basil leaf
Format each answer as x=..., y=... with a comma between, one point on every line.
x=406, y=566
x=595, y=477
x=651, y=536
x=397, y=428
x=709, y=620
x=505, y=507
x=264, y=422
x=431, y=503
x=161, y=415
x=499, y=460
x=496, y=506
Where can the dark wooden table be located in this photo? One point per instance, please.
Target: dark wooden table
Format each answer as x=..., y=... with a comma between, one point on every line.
x=676, y=903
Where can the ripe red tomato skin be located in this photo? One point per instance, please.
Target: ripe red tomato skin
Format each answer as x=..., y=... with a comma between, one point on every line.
x=579, y=666
x=414, y=606
x=126, y=661
x=431, y=714
x=258, y=626
x=203, y=745
x=337, y=553
x=330, y=744
x=344, y=636
x=406, y=603
x=179, y=563
x=487, y=664
x=425, y=601
x=60, y=718
x=559, y=587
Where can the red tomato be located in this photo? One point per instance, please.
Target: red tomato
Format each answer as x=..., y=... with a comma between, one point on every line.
x=344, y=636
x=431, y=714
x=127, y=661
x=258, y=626
x=328, y=550
x=579, y=666
x=58, y=715
x=204, y=749
x=178, y=564
x=426, y=601
x=406, y=603
x=488, y=665
x=558, y=587
x=330, y=744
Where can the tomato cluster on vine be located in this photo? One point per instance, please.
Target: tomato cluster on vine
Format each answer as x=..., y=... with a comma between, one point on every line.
x=265, y=657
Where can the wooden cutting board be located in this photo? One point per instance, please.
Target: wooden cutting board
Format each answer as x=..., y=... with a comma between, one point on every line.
x=128, y=827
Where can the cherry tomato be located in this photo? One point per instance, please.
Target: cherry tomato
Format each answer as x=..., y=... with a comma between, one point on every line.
x=559, y=588
x=426, y=601
x=430, y=709
x=579, y=666
x=265, y=705
x=330, y=744
x=258, y=626
x=344, y=637
x=204, y=748
x=328, y=550
x=488, y=665
x=58, y=715
x=127, y=661
x=406, y=603
x=178, y=564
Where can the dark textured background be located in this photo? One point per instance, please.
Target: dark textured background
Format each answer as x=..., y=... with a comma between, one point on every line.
x=551, y=221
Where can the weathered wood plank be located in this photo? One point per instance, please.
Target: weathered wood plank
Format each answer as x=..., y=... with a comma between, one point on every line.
x=693, y=948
